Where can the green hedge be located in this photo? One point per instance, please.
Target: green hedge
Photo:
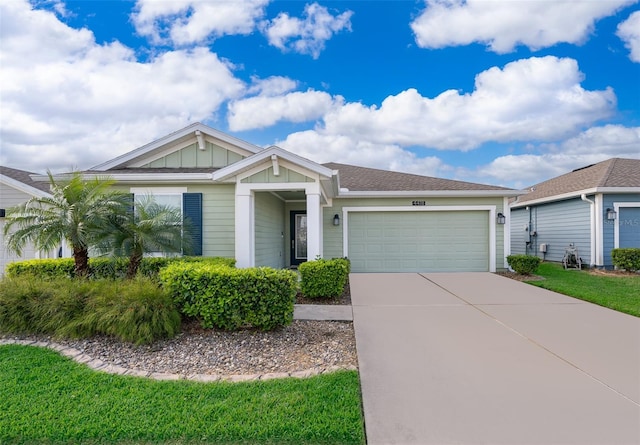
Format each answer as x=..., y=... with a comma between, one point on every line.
x=524, y=264
x=324, y=278
x=101, y=268
x=227, y=298
x=136, y=311
x=627, y=258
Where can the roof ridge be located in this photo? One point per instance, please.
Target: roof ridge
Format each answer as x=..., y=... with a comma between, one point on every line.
x=607, y=172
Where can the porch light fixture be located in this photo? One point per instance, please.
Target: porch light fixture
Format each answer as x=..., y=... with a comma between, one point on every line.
x=611, y=214
x=336, y=220
x=501, y=219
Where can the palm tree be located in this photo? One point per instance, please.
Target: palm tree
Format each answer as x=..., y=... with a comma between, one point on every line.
x=147, y=227
x=76, y=213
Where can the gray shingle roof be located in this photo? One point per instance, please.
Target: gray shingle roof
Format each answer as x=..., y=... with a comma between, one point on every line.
x=370, y=179
x=23, y=176
x=614, y=172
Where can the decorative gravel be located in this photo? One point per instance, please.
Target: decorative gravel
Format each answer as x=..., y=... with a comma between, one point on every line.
x=300, y=349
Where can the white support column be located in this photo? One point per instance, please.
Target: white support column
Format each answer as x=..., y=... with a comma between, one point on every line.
x=244, y=228
x=314, y=226
x=507, y=231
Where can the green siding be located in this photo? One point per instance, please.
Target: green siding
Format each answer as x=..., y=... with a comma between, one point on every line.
x=267, y=176
x=189, y=157
x=269, y=230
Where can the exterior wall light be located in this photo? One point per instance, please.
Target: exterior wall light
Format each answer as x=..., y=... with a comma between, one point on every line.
x=336, y=220
x=3, y=213
x=501, y=219
x=611, y=214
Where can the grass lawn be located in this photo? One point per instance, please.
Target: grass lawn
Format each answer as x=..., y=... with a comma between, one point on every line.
x=618, y=292
x=46, y=398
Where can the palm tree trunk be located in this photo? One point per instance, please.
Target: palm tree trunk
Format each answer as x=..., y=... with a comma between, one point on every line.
x=81, y=261
x=134, y=262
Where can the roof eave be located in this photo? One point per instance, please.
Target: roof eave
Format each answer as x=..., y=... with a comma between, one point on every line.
x=26, y=188
x=575, y=194
x=429, y=193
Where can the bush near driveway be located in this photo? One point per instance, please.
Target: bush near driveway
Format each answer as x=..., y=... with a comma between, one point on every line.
x=524, y=264
x=135, y=311
x=226, y=298
x=324, y=278
x=626, y=259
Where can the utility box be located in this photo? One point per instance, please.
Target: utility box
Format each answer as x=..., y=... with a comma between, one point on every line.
x=543, y=248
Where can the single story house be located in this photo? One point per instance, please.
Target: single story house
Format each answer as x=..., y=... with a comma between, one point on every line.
x=596, y=208
x=17, y=187
x=271, y=207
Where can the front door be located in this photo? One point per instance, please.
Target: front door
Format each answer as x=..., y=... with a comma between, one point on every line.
x=298, y=237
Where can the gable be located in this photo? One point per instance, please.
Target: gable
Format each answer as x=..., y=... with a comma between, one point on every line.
x=191, y=156
x=285, y=175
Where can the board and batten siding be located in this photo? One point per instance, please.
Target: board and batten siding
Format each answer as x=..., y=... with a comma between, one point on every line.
x=560, y=223
x=333, y=236
x=626, y=219
x=218, y=219
x=519, y=236
x=269, y=230
x=191, y=157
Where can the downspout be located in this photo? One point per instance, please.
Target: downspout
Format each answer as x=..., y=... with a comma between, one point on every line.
x=593, y=228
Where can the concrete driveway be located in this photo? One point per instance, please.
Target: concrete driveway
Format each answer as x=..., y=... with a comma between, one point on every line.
x=475, y=358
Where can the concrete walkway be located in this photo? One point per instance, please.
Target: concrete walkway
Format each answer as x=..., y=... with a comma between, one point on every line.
x=475, y=358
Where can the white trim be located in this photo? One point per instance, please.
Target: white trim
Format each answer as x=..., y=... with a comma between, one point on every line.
x=239, y=167
x=22, y=187
x=490, y=208
x=576, y=194
x=599, y=223
x=428, y=193
x=616, y=225
x=506, y=227
x=592, y=229
x=142, y=177
x=158, y=190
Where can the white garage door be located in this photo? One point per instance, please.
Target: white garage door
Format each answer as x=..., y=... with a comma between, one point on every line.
x=424, y=241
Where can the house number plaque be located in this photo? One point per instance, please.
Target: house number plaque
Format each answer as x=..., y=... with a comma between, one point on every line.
x=418, y=203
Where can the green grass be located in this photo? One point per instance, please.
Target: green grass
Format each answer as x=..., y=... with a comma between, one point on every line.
x=621, y=293
x=48, y=399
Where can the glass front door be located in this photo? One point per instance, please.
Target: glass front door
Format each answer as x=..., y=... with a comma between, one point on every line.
x=298, y=237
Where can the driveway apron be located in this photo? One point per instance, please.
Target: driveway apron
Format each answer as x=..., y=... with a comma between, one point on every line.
x=475, y=358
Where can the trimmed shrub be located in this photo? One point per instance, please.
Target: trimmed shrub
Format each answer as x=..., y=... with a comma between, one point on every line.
x=524, y=264
x=324, y=278
x=626, y=258
x=136, y=311
x=226, y=298
x=103, y=267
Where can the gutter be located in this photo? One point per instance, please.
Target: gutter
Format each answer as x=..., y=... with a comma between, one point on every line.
x=592, y=218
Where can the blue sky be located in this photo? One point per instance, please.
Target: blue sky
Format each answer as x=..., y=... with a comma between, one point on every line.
x=500, y=92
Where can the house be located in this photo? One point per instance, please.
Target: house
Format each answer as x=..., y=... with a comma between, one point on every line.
x=17, y=187
x=596, y=208
x=271, y=207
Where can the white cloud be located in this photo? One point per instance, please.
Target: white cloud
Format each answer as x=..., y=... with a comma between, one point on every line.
x=629, y=32
x=532, y=99
x=272, y=86
x=184, y=22
x=308, y=35
x=503, y=25
x=264, y=111
x=594, y=145
x=67, y=101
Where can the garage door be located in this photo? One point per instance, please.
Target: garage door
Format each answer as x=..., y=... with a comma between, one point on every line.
x=436, y=241
x=629, y=220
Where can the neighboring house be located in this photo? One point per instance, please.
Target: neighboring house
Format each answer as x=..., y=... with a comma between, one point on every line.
x=596, y=208
x=17, y=187
x=270, y=207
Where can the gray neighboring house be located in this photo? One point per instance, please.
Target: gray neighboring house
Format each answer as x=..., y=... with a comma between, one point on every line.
x=596, y=208
x=17, y=187
x=271, y=207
